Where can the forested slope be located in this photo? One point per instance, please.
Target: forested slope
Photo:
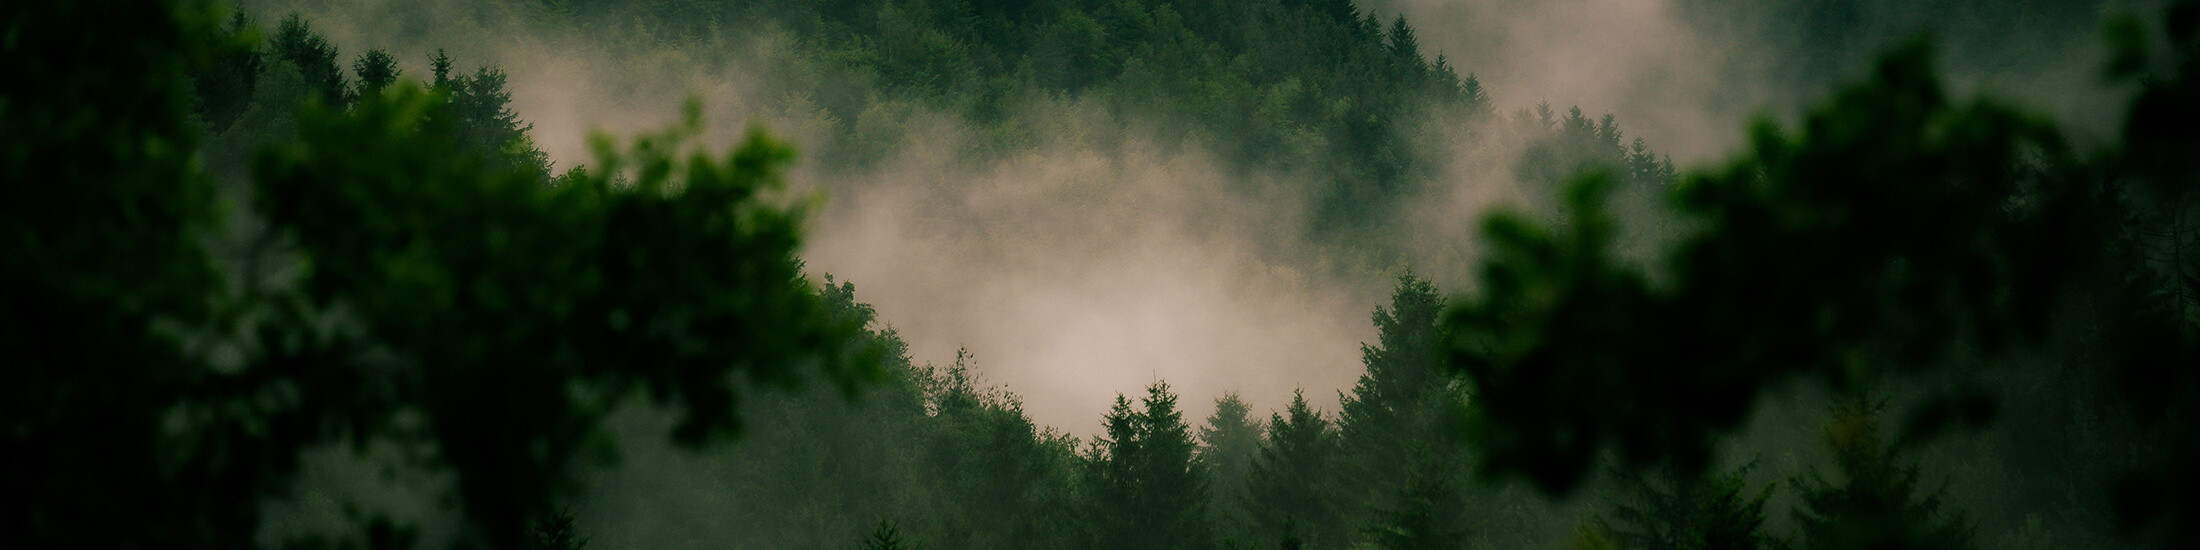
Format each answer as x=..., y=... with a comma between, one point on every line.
x=262, y=251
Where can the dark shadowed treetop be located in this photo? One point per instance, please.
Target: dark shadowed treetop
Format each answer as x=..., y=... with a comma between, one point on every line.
x=1896, y=231
x=1872, y=499
x=1877, y=227
x=447, y=303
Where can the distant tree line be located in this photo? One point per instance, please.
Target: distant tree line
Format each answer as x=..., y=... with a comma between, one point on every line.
x=223, y=249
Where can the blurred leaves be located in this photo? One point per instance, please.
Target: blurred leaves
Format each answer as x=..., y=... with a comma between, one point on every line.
x=524, y=312
x=1881, y=236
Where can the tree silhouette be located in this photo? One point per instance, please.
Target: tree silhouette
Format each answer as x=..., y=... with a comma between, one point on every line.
x=1292, y=490
x=1228, y=445
x=296, y=44
x=376, y=70
x=1873, y=500
x=1150, y=489
x=1666, y=509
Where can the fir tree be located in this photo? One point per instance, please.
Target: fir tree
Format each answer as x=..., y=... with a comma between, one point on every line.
x=1151, y=489
x=1292, y=493
x=1872, y=501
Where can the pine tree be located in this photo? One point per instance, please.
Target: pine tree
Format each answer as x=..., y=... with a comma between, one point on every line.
x=1228, y=445
x=1292, y=493
x=1151, y=489
x=1424, y=513
x=1398, y=437
x=886, y=537
x=1873, y=501
x=556, y=532
x=1663, y=508
x=224, y=87
x=376, y=69
x=297, y=44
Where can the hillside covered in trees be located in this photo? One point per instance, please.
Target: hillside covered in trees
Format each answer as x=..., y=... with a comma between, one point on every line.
x=269, y=292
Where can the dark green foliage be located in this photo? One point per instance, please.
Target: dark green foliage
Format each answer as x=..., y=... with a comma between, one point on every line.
x=1873, y=501
x=480, y=119
x=1881, y=226
x=556, y=532
x=1149, y=490
x=1404, y=396
x=1293, y=494
x=223, y=87
x=669, y=284
x=1425, y=513
x=886, y=537
x=101, y=210
x=2157, y=342
x=1400, y=451
x=460, y=311
x=1316, y=88
x=1665, y=509
x=1000, y=480
x=296, y=45
x=440, y=66
x=1228, y=445
x=376, y=70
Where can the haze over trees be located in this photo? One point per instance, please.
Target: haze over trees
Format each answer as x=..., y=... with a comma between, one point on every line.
x=235, y=251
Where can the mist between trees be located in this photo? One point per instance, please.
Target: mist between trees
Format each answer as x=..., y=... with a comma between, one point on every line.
x=265, y=291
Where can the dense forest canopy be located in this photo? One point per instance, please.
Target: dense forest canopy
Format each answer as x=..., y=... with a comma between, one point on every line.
x=271, y=289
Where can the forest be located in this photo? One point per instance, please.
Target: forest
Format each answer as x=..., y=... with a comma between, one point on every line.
x=563, y=274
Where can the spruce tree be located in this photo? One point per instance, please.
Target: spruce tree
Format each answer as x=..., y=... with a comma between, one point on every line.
x=1664, y=508
x=1292, y=492
x=1228, y=445
x=376, y=69
x=297, y=44
x=1397, y=432
x=1872, y=501
x=1150, y=490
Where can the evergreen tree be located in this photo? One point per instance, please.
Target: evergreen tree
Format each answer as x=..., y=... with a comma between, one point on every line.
x=1228, y=445
x=1425, y=511
x=296, y=44
x=1150, y=488
x=440, y=65
x=556, y=532
x=1292, y=490
x=1873, y=501
x=224, y=86
x=376, y=69
x=1399, y=440
x=1000, y=482
x=482, y=121
x=1666, y=509
x=886, y=537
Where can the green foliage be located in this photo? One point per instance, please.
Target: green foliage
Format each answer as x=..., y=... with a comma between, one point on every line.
x=296, y=45
x=376, y=70
x=477, y=114
x=223, y=87
x=1400, y=450
x=886, y=537
x=1002, y=483
x=102, y=206
x=1228, y=445
x=1884, y=226
x=656, y=273
x=1312, y=88
x=1874, y=502
x=1424, y=514
x=556, y=532
x=1293, y=497
x=1149, y=490
x=1669, y=509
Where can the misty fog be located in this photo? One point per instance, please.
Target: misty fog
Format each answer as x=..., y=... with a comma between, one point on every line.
x=1111, y=274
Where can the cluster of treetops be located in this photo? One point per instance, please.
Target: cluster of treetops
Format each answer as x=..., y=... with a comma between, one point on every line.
x=209, y=279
